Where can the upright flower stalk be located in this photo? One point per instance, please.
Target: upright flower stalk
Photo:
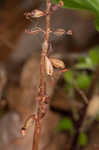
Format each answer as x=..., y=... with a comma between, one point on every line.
x=47, y=66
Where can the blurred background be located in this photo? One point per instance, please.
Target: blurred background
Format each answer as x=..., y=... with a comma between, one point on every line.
x=72, y=119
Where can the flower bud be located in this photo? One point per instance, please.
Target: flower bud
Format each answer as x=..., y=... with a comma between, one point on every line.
x=49, y=67
x=57, y=63
x=45, y=45
x=61, y=3
x=59, y=32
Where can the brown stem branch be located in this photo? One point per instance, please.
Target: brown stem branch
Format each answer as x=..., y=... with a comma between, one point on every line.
x=80, y=92
x=42, y=93
x=75, y=145
x=93, y=83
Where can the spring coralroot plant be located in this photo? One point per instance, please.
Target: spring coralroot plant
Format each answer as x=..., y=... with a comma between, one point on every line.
x=47, y=66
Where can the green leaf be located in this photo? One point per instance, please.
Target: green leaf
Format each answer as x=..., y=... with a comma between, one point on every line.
x=82, y=139
x=68, y=76
x=83, y=80
x=94, y=56
x=84, y=63
x=97, y=22
x=89, y=62
x=66, y=124
x=92, y=5
x=69, y=89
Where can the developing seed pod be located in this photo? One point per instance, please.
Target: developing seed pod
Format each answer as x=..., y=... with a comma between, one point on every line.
x=49, y=67
x=57, y=63
x=44, y=110
x=45, y=45
x=69, y=32
x=23, y=131
x=27, y=124
x=60, y=4
x=37, y=13
x=33, y=31
x=27, y=15
x=59, y=32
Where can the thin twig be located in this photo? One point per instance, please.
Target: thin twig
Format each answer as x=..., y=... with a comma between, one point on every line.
x=82, y=94
x=75, y=145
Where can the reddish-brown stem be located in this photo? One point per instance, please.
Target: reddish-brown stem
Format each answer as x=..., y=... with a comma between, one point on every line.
x=42, y=93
